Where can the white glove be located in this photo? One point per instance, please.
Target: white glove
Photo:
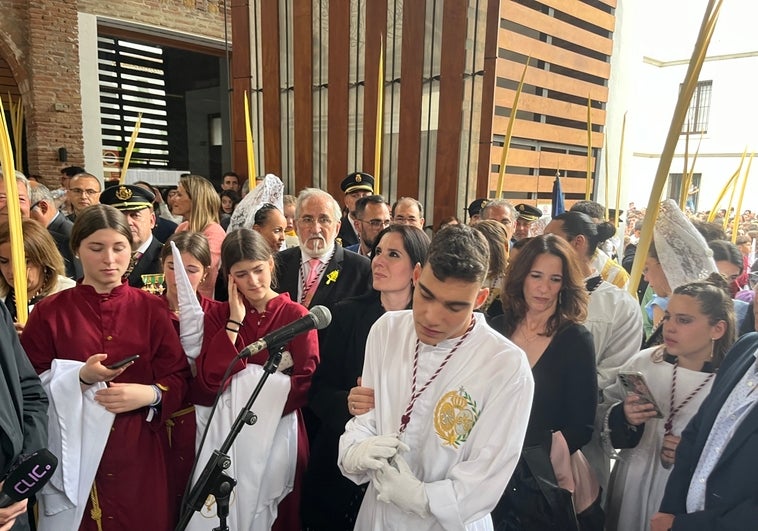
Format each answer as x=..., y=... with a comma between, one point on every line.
x=371, y=453
x=396, y=484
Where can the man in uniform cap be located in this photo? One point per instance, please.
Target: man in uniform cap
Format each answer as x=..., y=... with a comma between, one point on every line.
x=475, y=209
x=527, y=214
x=137, y=205
x=356, y=185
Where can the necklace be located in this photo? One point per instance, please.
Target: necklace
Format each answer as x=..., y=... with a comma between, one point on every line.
x=406, y=418
x=529, y=338
x=672, y=410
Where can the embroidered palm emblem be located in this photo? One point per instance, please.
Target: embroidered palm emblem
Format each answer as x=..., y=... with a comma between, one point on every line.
x=454, y=417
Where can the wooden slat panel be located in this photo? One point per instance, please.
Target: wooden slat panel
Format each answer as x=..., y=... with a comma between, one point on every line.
x=271, y=82
x=241, y=82
x=488, y=97
x=302, y=17
x=376, y=30
x=552, y=54
x=549, y=107
x=548, y=133
x=453, y=58
x=339, y=63
x=541, y=159
x=557, y=28
x=551, y=81
x=579, y=10
x=524, y=183
x=411, y=72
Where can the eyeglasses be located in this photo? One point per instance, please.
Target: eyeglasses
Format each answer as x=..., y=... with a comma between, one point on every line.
x=80, y=191
x=377, y=223
x=34, y=205
x=402, y=220
x=310, y=221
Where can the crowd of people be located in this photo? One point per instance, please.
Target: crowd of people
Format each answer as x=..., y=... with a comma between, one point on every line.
x=495, y=374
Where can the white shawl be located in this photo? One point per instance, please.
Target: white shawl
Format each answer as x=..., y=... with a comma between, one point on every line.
x=78, y=431
x=263, y=455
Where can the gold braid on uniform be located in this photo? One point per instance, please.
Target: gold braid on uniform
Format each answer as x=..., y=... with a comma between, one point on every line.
x=170, y=422
x=96, y=513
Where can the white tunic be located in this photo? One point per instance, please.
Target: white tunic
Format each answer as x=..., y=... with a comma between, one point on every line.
x=615, y=321
x=466, y=430
x=638, y=479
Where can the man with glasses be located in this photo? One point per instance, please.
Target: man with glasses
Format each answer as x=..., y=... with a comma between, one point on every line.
x=319, y=271
x=83, y=190
x=44, y=211
x=408, y=211
x=355, y=186
x=372, y=216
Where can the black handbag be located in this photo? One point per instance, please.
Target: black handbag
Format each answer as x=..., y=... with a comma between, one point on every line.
x=533, y=500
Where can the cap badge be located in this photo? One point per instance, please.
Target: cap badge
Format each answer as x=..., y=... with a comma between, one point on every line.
x=358, y=178
x=123, y=193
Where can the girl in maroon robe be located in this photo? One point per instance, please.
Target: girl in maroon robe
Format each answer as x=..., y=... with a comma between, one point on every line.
x=253, y=310
x=100, y=322
x=181, y=426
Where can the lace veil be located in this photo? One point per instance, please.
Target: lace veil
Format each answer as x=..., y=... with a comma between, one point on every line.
x=682, y=251
x=270, y=190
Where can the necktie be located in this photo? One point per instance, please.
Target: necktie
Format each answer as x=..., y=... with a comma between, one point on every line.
x=132, y=263
x=315, y=264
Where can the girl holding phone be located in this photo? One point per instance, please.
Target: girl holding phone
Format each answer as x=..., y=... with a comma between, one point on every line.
x=106, y=423
x=698, y=329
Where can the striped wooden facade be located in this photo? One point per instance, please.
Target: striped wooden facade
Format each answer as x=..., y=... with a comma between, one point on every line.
x=312, y=68
x=570, y=44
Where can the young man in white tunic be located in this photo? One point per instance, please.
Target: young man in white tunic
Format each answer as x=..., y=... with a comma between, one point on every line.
x=452, y=401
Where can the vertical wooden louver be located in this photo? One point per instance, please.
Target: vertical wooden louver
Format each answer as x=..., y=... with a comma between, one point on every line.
x=451, y=70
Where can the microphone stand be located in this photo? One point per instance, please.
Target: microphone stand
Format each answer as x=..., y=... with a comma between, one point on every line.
x=213, y=480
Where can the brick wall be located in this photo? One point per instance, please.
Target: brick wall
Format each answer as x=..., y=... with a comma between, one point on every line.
x=39, y=42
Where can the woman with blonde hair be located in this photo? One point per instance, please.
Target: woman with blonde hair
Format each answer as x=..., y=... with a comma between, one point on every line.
x=198, y=203
x=44, y=266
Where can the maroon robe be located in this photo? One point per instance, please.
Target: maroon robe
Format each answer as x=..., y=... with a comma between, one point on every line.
x=218, y=351
x=180, y=430
x=74, y=324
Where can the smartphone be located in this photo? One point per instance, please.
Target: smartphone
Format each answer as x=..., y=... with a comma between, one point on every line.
x=123, y=362
x=634, y=383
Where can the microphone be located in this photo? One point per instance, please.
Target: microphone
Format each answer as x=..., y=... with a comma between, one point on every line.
x=27, y=476
x=319, y=317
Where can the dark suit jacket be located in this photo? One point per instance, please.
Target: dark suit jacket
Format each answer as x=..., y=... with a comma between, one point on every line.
x=347, y=232
x=60, y=230
x=149, y=264
x=353, y=277
x=23, y=404
x=731, y=496
x=163, y=229
x=327, y=494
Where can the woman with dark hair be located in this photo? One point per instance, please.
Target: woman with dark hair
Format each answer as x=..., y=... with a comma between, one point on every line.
x=613, y=317
x=229, y=201
x=698, y=330
x=271, y=224
x=105, y=425
x=44, y=266
x=729, y=262
x=255, y=309
x=331, y=501
x=195, y=258
x=544, y=304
